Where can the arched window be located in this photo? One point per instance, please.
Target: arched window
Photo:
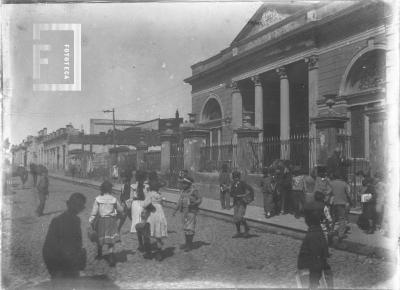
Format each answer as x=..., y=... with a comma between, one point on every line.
x=368, y=72
x=211, y=111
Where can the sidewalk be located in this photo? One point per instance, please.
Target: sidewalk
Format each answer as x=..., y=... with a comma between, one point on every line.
x=357, y=241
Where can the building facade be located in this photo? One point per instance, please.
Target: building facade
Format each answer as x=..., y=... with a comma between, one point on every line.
x=301, y=72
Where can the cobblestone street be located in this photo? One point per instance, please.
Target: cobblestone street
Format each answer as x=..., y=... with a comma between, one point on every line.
x=264, y=260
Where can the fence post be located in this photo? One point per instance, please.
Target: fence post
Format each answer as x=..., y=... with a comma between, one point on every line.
x=193, y=140
x=166, y=140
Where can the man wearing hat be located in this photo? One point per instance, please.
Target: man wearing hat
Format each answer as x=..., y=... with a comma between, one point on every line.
x=188, y=204
x=62, y=252
x=242, y=194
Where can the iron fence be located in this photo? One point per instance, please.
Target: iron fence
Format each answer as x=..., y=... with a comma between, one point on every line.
x=152, y=160
x=212, y=157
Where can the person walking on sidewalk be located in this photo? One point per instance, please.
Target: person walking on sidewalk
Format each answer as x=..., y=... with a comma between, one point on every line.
x=156, y=219
x=23, y=175
x=62, y=251
x=43, y=191
x=242, y=194
x=268, y=185
x=224, y=186
x=103, y=220
x=298, y=192
x=188, y=204
x=341, y=200
x=33, y=169
x=368, y=201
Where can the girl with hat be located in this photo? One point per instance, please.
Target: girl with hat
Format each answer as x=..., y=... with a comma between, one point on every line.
x=188, y=204
x=156, y=219
x=103, y=219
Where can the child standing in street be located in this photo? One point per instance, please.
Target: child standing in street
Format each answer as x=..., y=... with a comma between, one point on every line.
x=103, y=220
x=242, y=194
x=188, y=204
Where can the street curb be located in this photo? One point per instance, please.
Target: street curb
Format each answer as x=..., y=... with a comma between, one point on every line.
x=347, y=246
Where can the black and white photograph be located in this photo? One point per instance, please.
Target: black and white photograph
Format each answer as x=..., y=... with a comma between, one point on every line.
x=200, y=144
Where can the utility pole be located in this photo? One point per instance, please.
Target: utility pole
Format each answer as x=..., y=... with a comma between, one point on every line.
x=113, y=112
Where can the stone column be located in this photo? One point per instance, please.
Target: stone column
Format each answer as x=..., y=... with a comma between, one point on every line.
x=141, y=148
x=237, y=107
x=166, y=139
x=193, y=140
x=258, y=105
x=312, y=105
x=285, y=113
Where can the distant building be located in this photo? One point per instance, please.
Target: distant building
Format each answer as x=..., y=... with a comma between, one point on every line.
x=159, y=124
x=104, y=125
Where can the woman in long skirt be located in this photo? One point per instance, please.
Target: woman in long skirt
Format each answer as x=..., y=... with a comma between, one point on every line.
x=138, y=195
x=103, y=219
x=156, y=219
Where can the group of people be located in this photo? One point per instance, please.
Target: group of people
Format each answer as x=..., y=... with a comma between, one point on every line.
x=141, y=202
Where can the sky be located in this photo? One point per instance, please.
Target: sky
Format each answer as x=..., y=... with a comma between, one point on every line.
x=134, y=58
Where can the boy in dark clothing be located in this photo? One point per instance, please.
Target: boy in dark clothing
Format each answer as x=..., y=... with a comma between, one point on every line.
x=63, y=253
x=242, y=194
x=314, y=253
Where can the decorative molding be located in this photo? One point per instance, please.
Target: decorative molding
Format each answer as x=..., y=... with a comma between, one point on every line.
x=314, y=51
x=281, y=71
x=234, y=86
x=353, y=60
x=209, y=90
x=312, y=62
x=256, y=80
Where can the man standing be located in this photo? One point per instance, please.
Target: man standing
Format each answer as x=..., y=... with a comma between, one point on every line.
x=269, y=193
x=341, y=198
x=242, y=194
x=62, y=252
x=43, y=191
x=34, y=173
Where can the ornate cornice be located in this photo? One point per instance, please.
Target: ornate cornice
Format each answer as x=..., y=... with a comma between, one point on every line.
x=234, y=86
x=281, y=71
x=312, y=62
x=256, y=80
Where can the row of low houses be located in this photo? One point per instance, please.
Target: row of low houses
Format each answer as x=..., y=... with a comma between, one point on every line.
x=60, y=149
